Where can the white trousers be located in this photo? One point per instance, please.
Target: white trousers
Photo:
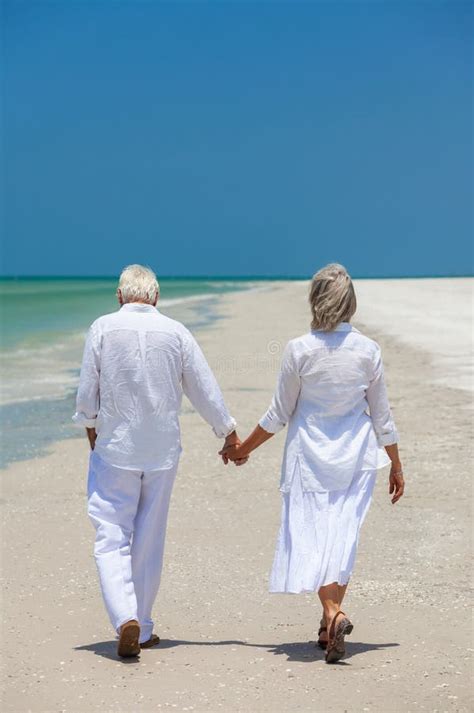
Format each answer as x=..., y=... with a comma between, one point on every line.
x=129, y=510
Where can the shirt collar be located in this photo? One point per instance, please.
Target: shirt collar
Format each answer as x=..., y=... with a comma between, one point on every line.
x=138, y=307
x=341, y=327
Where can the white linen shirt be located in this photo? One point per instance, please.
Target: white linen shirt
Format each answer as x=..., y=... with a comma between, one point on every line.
x=332, y=394
x=137, y=363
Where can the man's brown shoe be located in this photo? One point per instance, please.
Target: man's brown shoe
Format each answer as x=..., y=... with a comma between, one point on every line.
x=128, y=642
x=154, y=640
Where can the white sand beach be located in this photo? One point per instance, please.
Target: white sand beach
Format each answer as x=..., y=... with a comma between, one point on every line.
x=227, y=644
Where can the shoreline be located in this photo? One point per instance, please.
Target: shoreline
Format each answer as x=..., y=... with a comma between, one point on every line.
x=453, y=363
x=227, y=644
x=21, y=416
x=433, y=316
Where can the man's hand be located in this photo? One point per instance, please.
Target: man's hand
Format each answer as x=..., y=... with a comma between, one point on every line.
x=231, y=443
x=239, y=452
x=92, y=436
x=231, y=452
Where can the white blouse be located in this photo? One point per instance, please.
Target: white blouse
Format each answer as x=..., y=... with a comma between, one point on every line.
x=332, y=394
x=137, y=363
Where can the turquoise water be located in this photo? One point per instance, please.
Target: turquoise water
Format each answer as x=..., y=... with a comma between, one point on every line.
x=43, y=324
x=33, y=309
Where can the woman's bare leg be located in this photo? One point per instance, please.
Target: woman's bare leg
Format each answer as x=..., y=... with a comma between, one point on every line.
x=329, y=596
x=339, y=592
x=342, y=591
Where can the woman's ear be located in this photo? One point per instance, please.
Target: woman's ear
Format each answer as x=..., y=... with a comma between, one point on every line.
x=156, y=299
x=119, y=297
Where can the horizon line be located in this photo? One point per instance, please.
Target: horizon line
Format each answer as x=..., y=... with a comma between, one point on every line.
x=237, y=277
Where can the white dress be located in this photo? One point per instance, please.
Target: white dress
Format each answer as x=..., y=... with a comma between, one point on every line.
x=332, y=394
x=319, y=534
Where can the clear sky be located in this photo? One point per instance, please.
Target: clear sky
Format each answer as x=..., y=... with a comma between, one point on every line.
x=237, y=138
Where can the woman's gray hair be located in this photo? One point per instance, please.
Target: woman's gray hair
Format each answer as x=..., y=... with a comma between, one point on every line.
x=332, y=297
x=138, y=284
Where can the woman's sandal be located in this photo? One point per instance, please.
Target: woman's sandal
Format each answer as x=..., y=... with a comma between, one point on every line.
x=322, y=628
x=337, y=631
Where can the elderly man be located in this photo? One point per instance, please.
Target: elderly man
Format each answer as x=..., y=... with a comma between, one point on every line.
x=136, y=365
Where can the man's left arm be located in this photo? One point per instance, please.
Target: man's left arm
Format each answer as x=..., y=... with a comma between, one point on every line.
x=87, y=400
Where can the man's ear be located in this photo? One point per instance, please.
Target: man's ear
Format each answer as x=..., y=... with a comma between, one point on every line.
x=119, y=297
x=156, y=299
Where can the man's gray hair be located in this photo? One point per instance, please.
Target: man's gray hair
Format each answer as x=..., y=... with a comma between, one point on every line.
x=139, y=284
x=332, y=297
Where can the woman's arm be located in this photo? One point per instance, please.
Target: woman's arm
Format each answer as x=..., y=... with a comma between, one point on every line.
x=384, y=426
x=278, y=414
x=256, y=438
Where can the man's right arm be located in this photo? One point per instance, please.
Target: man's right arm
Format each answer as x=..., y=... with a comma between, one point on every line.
x=87, y=400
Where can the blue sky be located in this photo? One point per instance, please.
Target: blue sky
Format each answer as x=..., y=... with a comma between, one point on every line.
x=237, y=138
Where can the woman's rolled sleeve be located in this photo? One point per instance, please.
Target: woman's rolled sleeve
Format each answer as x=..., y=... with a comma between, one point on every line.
x=388, y=438
x=270, y=423
x=379, y=406
x=285, y=397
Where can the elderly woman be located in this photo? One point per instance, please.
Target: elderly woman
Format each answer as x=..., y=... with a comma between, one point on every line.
x=332, y=395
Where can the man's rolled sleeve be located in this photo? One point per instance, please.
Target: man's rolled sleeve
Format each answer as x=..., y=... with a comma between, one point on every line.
x=229, y=426
x=81, y=420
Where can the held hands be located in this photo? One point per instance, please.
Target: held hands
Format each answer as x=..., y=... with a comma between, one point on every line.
x=230, y=450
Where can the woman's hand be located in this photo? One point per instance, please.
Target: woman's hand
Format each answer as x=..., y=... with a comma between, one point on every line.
x=232, y=442
x=239, y=452
x=235, y=453
x=396, y=482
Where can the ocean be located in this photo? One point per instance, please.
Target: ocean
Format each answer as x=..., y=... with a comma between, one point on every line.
x=43, y=326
